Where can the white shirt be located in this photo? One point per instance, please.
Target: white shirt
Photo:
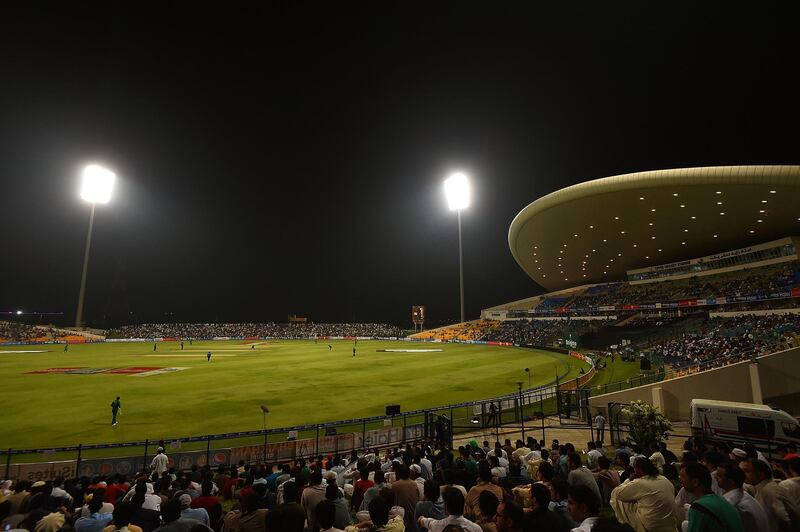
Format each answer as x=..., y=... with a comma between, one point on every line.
x=750, y=510
x=592, y=457
x=434, y=525
x=159, y=463
x=586, y=526
x=332, y=529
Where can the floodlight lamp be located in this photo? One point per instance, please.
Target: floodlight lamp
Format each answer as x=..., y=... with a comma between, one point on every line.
x=456, y=188
x=97, y=184
x=19, y=312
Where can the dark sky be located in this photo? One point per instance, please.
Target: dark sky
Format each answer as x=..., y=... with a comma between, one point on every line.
x=273, y=162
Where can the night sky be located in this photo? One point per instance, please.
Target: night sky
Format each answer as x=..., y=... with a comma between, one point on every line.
x=274, y=162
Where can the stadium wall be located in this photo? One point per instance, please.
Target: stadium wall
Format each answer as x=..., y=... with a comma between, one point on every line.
x=771, y=379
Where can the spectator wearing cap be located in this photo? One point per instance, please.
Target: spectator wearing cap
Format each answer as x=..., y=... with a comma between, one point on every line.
x=709, y=512
x=415, y=472
x=160, y=462
x=198, y=514
x=730, y=478
x=646, y=501
x=454, y=509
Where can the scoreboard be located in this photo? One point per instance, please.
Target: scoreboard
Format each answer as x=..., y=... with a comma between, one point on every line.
x=418, y=315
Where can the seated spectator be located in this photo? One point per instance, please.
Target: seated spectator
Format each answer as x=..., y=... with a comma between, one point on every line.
x=251, y=518
x=791, y=485
x=646, y=500
x=288, y=516
x=541, y=517
x=607, y=478
x=121, y=520
x=342, y=515
x=584, y=506
x=472, y=508
x=432, y=504
x=781, y=512
x=379, y=519
x=454, y=509
x=730, y=478
x=509, y=517
x=198, y=514
x=94, y=521
x=173, y=522
x=488, y=503
x=326, y=515
x=579, y=474
x=709, y=512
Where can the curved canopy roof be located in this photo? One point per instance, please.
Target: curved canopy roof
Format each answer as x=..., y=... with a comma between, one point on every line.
x=597, y=230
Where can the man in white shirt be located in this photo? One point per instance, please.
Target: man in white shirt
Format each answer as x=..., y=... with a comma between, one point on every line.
x=730, y=479
x=160, y=462
x=454, y=509
x=584, y=506
x=600, y=427
x=592, y=456
x=781, y=513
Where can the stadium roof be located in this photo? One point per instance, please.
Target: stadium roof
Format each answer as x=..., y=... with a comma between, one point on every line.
x=595, y=231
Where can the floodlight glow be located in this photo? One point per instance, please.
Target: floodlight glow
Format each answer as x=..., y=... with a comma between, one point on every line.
x=97, y=184
x=456, y=188
x=19, y=312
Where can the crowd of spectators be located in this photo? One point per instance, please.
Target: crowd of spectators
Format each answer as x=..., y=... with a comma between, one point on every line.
x=763, y=280
x=467, y=331
x=729, y=340
x=542, y=332
x=272, y=330
x=418, y=488
x=21, y=332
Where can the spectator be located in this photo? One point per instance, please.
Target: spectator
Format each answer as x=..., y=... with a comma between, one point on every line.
x=454, y=509
x=541, y=517
x=472, y=508
x=646, y=501
x=709, y=512
x=326, y=516
x=584, y=506
x=781, y=513
x=579, y=475
x=592, y=456
x=607, y=478
x=198, y=514
x=730, y=478
x=432, y=504
x=342, y=515
x=313, y=495
x=379, y=519
x=121, y=519
x=488, y=503
x=95, y=521
x=289, y=516
x=173, y=522
x=791, y=486
x=406, y=494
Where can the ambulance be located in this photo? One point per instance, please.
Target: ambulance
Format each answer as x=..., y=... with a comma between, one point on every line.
x=736, y=423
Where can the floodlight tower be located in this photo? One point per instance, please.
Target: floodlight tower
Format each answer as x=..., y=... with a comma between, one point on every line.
x=456, y=188
x=98, y=182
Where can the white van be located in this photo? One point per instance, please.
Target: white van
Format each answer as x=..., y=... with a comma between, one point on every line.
x=736, y=423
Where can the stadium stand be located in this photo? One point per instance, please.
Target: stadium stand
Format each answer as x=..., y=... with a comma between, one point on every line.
x=468, y=331
x=274, y=330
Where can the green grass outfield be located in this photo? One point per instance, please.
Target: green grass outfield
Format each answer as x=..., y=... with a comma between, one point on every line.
x=300, y=382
